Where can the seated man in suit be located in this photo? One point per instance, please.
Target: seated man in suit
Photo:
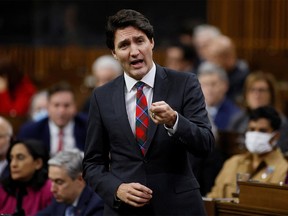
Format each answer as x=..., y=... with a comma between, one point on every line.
x=63, y=128
x=214, y=83
x=6, y=132
x=71, y=194
x=263, y=162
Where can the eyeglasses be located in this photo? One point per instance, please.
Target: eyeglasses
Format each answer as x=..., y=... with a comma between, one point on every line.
x=258, y=90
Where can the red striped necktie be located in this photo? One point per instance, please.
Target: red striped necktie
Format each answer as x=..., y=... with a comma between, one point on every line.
x=142, y=118
x=60, y=140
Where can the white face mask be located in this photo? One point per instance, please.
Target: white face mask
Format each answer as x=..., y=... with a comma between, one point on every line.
x=259, y=142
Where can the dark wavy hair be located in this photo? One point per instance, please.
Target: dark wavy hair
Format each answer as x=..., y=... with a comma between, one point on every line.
x=125, y=18
x=37, y=150
x=267, y=112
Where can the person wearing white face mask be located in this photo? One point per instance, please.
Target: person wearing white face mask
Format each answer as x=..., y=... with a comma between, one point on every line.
x=264, y=161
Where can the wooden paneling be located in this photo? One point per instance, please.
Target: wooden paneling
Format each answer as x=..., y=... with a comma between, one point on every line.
x=48, y=65
x=259, y=29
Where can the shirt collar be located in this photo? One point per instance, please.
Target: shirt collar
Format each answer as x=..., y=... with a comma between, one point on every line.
x=55, y=129
x=148, y=79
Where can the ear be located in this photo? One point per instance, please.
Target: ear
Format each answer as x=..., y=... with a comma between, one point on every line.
x=152, y=43
x=275, y=138
x=114, y=54
x=38, y=163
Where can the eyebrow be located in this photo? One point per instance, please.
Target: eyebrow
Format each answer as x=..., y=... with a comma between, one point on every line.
x=133, y=38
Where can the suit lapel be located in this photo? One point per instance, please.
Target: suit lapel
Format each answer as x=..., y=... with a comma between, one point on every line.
x=160, y=93
x=120, y=109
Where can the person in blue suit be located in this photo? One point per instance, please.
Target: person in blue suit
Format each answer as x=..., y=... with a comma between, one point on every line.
x=71, y=194
x=152, y=176
x=214, y=83
x=62, y=117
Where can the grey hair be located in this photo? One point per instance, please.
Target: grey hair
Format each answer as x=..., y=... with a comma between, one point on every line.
x=208, y=68
x=207, y=29
x=70, y=160
x=107, y=61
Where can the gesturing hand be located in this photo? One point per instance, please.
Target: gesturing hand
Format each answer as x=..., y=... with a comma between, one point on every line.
x=134, y=194
x=162, y=113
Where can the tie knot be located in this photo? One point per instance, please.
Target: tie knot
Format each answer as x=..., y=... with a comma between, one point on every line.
x=139, y=85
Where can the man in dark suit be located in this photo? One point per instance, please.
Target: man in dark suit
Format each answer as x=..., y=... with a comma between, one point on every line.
x=71, y=194
x=63, y=128
x=140, y=166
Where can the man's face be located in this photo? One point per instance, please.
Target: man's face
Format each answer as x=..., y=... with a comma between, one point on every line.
x=134, y=51
x=61, y=108
x=64, y=189
x=214, y=89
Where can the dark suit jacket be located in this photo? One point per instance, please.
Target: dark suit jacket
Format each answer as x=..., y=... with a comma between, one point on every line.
x=40, y=131
x=89, y=204
x=5, y=173
x=112, y=155
x=225, y=114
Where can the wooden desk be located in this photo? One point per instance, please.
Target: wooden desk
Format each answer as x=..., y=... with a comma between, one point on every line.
x=254, y=199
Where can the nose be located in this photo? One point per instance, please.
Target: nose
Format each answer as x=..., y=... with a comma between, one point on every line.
x=13, y=163
x=53, y=187
x=134, y=50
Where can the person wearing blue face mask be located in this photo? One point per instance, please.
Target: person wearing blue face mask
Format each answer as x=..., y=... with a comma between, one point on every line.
x=263, y=161
x=38, y=106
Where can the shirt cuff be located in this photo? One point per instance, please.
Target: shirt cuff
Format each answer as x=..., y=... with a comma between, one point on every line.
x=172, y=131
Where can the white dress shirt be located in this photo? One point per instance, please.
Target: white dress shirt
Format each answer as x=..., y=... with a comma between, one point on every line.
x=130, y=97
x=68, y=137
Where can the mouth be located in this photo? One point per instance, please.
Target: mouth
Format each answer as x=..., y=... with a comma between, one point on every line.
x=137, y=62
x=14, y=172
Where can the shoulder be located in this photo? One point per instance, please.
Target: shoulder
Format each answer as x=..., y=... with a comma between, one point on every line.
x=32, y=124
x=81, y=117
x=231, y=105
x=33, y=127
x=94, y=204
x=52, y=209
x=177, y=80
x=93, y=197
x=173, y=73
x=236, y=159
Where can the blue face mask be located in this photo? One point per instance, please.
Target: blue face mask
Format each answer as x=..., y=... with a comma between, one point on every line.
x=37, y=116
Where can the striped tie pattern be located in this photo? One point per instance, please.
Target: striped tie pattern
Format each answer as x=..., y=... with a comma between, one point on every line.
x=142, y=118
x=60, y=140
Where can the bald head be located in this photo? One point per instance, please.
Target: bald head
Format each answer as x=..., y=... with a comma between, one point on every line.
x=222, y=51
x=202, y=36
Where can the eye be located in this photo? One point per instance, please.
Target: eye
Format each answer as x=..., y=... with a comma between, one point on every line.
x=20, y=157
x=59, y=182
x=123, y=45
x=140, y=40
